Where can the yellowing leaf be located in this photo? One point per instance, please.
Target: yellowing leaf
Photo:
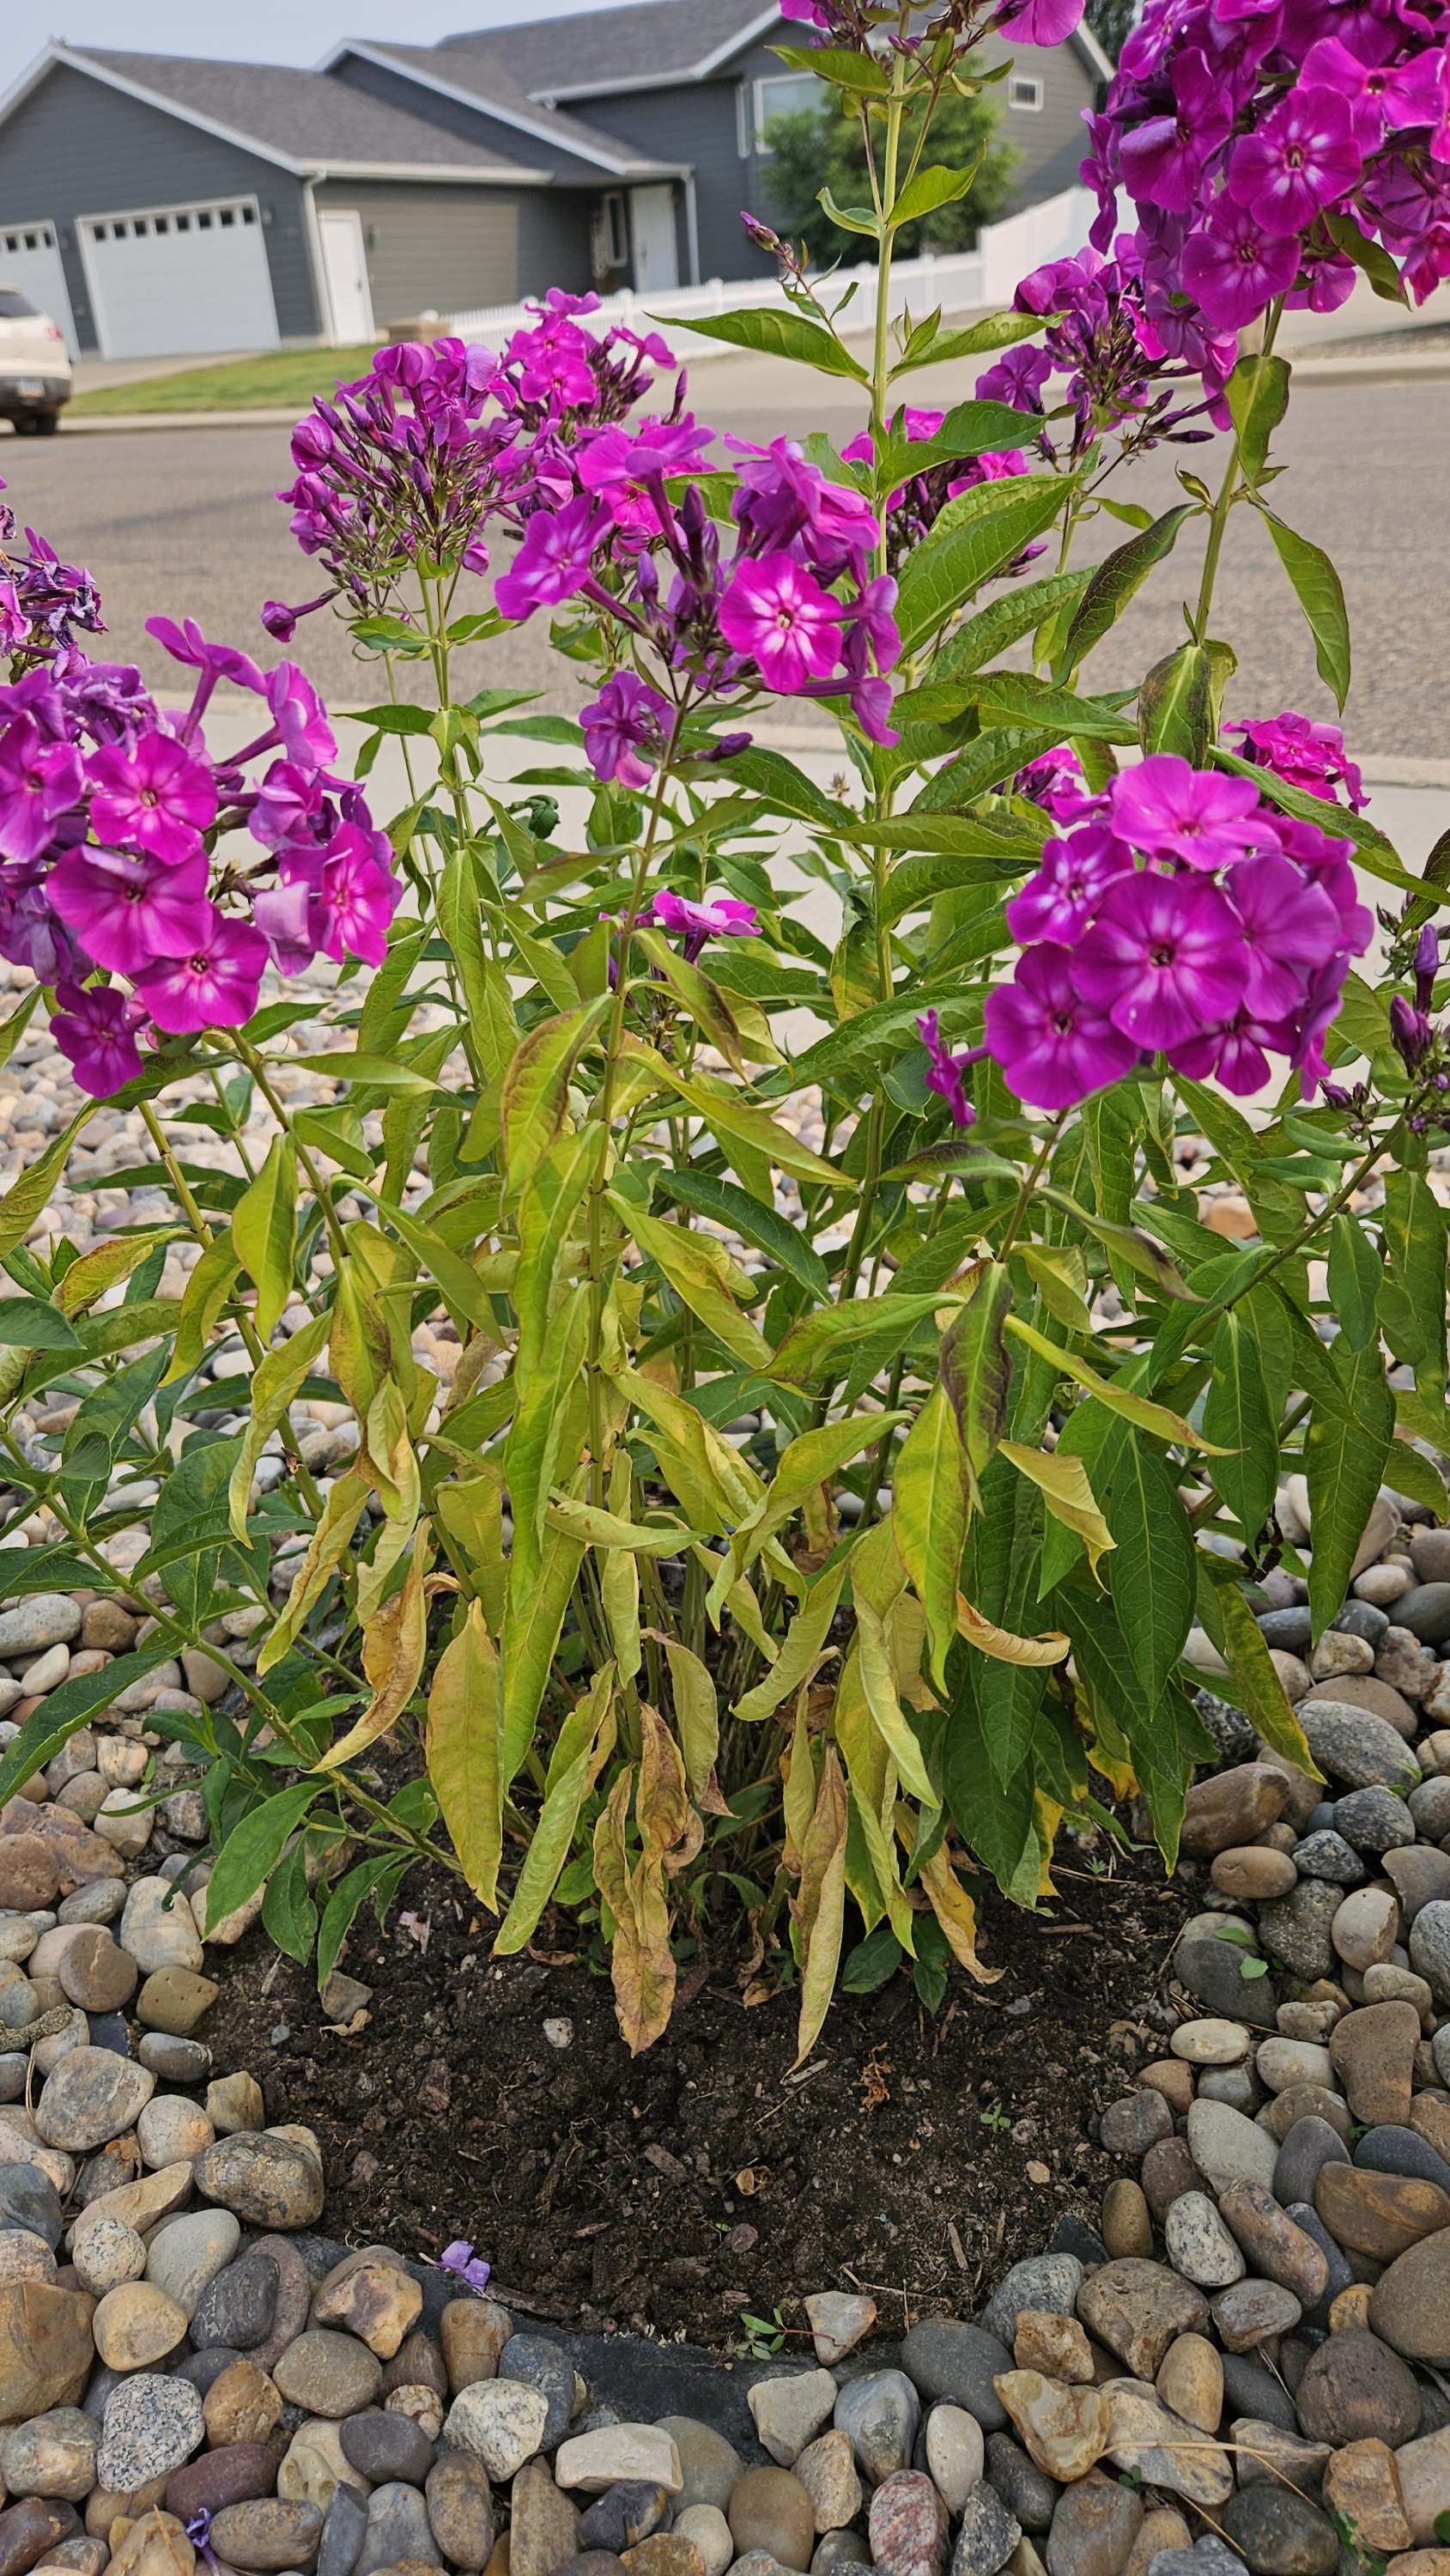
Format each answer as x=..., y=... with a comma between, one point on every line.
x=1062, y=1275
x=697, y=1713
x=471, y=1511
x=1157, y=1418
x=205, y=1294
x=597, y=1528
x=103, y=1266
x=465, y=1752
x=956, y=1913
x=929, y=1518
x=819, y=1910
x=641, y=1964
x=804, y=1639
x=394, y=1644
x=694, y=1274
x=325, y=1552
x=1002, y=1645
x=535, y=1091
x=275, y=1381
x=878, y=1680
x=586, y=1740
x=1063, y=1481
x=264, y=1232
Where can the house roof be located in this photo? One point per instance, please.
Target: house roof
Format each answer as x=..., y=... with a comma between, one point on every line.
x=647, y=44
x=474, y=71
x=295, y=119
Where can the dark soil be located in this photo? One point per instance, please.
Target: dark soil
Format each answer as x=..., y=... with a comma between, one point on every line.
x=668, y=2194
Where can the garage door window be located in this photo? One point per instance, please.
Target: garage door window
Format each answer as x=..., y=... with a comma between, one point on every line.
x=30, y=261
x=180, y=279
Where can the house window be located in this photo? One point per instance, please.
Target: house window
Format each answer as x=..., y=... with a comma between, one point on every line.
x=609, y=236
x=1026, y=92
x=784, y=96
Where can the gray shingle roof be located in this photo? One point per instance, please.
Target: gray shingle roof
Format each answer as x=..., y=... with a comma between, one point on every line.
x=478, y=66
x=648, y=40
x=303, y=115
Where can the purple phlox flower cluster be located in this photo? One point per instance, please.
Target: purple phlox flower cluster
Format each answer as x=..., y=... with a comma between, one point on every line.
x=1302, y=753
x=1182, y=916
x=857, y=25
x=460, y=2259
x=109, y=809
x=1411, y=1027
x=1249, y=133
x=946, y=1073
x=1055, y=781
x=794, y=608
x=42, y=602
x=917, y=504
x=1104, y=341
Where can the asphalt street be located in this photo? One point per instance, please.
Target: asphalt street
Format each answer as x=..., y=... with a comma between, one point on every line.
x=183, y=522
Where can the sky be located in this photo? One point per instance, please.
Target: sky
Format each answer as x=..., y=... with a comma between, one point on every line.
x=266, y=31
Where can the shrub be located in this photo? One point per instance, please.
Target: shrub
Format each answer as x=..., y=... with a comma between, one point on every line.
x=844, y=1440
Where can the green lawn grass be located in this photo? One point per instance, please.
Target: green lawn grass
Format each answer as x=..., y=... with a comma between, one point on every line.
x=284, y=376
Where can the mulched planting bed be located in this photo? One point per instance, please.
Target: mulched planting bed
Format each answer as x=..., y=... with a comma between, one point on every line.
x=670, y=2192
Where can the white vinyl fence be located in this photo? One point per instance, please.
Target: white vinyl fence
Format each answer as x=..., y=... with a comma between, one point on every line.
x=958, y=281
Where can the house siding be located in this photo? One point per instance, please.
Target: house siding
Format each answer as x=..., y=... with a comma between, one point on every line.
x=696, y=124
x=1051, y=139
x=470, y=124
x=76, y=147
x=442, y=249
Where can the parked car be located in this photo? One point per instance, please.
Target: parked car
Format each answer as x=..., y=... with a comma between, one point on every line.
x=35, y=372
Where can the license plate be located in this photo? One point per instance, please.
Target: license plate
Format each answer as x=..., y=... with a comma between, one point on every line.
x=30, y=385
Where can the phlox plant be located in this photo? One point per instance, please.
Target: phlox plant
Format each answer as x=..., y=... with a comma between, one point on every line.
x=847, y=1434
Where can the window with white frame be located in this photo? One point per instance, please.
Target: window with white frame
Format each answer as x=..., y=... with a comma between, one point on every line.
x=1027, y=92
x=784, y=95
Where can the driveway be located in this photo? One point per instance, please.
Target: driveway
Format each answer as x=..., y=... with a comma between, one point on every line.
x=182, y=522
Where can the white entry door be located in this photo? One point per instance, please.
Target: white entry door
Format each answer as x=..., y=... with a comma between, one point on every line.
x=184, y=279
x=345, y=266
x=652, y=230
x=30, y=259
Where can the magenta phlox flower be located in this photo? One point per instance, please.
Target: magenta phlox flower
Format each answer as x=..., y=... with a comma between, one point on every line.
x=358, y=895
x=214, y=986
x=555, y=558
x=625, y=729
x=870, y=701
x=1426, y=966
x=289, y=919
x=1016, y=378
x=1053, y=1045
x=1235, y=266
x=36, y=695
x=1164, y=958
x=777, y=614
x=1302, y=157
x=460, y=2258
x=1301, y=1036
x=946, y=1073
x=1381, y=96
x=1060, y=900
x=1303, y=753
x=127, y=912
x=281, y=622
x=1168, y=809
x=721, y=916
x=782, y=500
x=1163, y=158
x=1055, y=782
x=301, y=717
x=39, y=782
x=871, y=623
x=291, y=808
x=1290, y=927
x=1039, y=22
x=96, y=1028
x=614, y=455
x=1234, y=1056
x=1410, y=1030
x=155, y=798
x=186, y=643
x=14, y=624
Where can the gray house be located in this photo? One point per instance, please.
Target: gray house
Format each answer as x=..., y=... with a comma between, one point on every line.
x=156, y=204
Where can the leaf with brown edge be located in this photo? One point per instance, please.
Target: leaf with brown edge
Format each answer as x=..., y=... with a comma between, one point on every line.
x=1067, y=1492
x=956, y=1913
x=394, y=1644
x=819, y=1909
x=326, y=1549
x=976, y=1369
x=1002, y=1645
x=662, y=1802
x=465, y=1754
x=696, y=1710
x=641, y=1964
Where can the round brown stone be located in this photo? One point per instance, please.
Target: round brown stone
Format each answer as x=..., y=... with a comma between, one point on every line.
x=1355, y=2389
x=1166, y=2173
x=96, y=1972
x=29, y=1873
x=231, y=2475
x=1231, y=1808
x=1373, y=2053
x=267, y=2533
x=1379, y=2214
x=770, y=2509
x=1364, y=1690
x=1410, y=2302
x=1249, y=1870
x=1127, y=2221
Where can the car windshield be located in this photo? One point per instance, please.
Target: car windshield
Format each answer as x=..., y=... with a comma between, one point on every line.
x=15, y=307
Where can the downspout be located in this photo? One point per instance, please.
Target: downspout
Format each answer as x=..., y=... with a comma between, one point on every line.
x=692, y=228
x=313, y=231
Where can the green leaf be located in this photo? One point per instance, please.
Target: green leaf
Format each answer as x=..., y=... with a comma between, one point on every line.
x=49, y=1569
x=27, y=1197
x=939, y=348
x=54, y=1723
x=1152, y=1570
x=1261, y=1693
x=1156, y=1418
x=734, y=1207
x=533, y=1454
x=207, y=1291
x=1413, y=1306
x=536, y=1086
x=976, y=1368
x=342, y=1908
x=974, y=537
x=13, y=1029
x=929, y=189
x=969, y=429
x=253, y=1849
x=1320, y=593
x=1175, y=704
x=836, y=63
x=1258, y=397
x=1239, y=1417
x=275, y=1381
x=1002, y=623
x=1016, y=697
x=1118, y=577
x=264, y=1232
x=872, y=1962
x=780, y=335
x=1387, y=283
x=29, y=1324
x=376, y=1072
x=1345, y=1461
x=289, y=1916
x=929, y=1507
x=1355, y=1275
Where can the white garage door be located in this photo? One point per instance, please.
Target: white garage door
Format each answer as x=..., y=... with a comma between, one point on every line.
x=30, y=260
x=180, y=280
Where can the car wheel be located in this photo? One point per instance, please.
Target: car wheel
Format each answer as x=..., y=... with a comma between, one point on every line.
x=25, y=424
x=45, y=424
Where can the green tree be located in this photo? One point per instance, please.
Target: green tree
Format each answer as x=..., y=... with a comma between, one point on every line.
x=816, y=147
x=1112, y=22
